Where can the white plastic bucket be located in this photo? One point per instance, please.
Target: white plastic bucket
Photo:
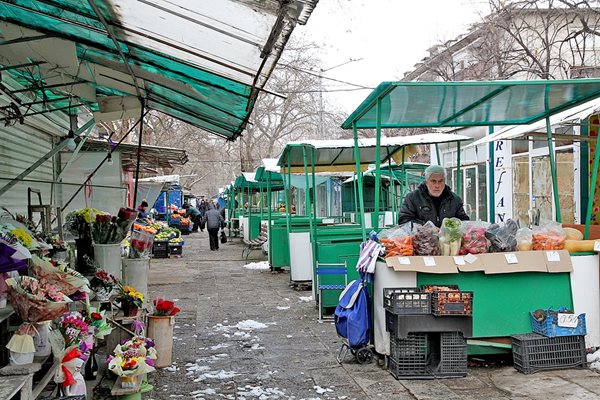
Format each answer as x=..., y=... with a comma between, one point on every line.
x=20, y=358
x=3, y=302
x=108, y=257
x=40, y=340
x=135, y=274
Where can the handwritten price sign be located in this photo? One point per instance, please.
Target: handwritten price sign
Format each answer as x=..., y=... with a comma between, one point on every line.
x=568, y=320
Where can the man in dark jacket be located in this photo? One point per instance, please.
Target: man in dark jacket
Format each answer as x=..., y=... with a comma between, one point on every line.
x=213, y=221
x=432, y=200
x=194, y=215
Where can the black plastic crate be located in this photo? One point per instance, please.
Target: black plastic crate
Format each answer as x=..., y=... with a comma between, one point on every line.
x=452, y=303
x=406, y=301
x=175, y=250
x=453, y=355
x=160, y=249
x=533, y=352
x=400, y=325
x=409, y=357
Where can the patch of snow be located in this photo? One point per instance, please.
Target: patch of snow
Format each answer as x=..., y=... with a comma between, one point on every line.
x=595, y=365
x=243, y=335
x=194, y=335
x=306, y=299
x=198, y=368
x=261, y=393
x=175, y=299
x=204, y=391
x=220, y=346
x=321, y=390
x=176, y=327
x=250, y=324
x=227, y=335
x=283, y=308
x=257, y=346
x=172, y=368
x=286, y=299
x=258, y=265
x=221, y=375
x=288, y=336
x=593, y=356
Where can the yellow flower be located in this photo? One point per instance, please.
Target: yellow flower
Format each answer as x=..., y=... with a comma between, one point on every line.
x=22, y=236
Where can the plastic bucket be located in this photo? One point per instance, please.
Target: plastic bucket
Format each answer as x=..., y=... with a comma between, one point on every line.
x=84, y=250
x=20, y=358
x=108, y=257
x=135, y=273
x=160, y=329
x=42, y=345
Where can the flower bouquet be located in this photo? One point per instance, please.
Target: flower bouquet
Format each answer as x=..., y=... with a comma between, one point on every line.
x=13, y=255
x=138, y=346
x=140, y=244
x=78, y=222
x=103, y=284
x=128, y=365
x=131, y=300
x=67, y=280
x=73, y=328
x=96, y=320
x=107, y=229
x=34, y=301
x=165, y=308
x=68, y=375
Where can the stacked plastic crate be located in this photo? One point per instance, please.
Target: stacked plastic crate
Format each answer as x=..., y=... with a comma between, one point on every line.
x=428, y=327
x=558, y=342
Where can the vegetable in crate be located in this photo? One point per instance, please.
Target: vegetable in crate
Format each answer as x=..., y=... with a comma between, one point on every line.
x=502, y=238
x=426, y=240
x=450, y=236
x=473, y=238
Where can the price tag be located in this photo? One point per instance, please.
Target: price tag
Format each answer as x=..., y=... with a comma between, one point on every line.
x=511, y=258
x=553, y=256
x=404, y=260
x=568, y=320
x=459, y=260
x=597, y=245
x=429, y=261
x=470, y=258
x=272, y=222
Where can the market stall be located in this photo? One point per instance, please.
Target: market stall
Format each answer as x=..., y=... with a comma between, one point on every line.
x=325, y=240
x=506, y=287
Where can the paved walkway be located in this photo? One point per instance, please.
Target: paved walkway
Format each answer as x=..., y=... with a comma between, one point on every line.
x=245, y=334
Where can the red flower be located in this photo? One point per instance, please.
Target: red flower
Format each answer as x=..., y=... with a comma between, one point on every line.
x=174, y=311
x=96, y=316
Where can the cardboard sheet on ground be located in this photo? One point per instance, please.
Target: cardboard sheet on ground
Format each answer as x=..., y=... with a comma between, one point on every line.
x=430, y=265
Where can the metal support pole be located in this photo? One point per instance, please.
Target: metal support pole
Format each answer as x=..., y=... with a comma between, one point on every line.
x=590, y=204
x=553, y=170
x=375, y=219
x=288, y=194
x=270, y=237
x=42, y=160
x=393, y=198
x=139, y=154
x=437, y=153
x=458, y=172
x=355, y=189
x=306, y=191
x=491, y=183
x=360, y=182
x=313, y=242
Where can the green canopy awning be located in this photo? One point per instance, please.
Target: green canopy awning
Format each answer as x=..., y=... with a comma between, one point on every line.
x=469, y=103
x=202, y=62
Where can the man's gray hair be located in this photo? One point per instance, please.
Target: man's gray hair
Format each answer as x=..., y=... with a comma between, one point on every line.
x=435, y=169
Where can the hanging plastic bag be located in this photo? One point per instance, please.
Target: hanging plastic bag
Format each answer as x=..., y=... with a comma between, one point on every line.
x=223, y=237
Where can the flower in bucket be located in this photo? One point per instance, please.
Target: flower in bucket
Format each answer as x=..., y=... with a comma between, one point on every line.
x=163, y=307
x=130, y=295
x=103, y=279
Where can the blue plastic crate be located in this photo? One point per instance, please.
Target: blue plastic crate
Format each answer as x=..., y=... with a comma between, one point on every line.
x=549, y=326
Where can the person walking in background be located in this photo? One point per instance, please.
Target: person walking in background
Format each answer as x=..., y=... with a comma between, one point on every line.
x=193, y=214
x=202, y=207
x=213, y=221
x=142, y=213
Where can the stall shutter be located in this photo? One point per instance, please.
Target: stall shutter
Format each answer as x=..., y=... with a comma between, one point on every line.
x=20, y=147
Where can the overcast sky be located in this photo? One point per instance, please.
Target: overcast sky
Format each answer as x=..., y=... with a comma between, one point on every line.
x=389, y=35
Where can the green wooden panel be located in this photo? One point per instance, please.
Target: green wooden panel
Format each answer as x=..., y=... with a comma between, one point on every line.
x=502, y=302
x=337, y=252
x=279, y=247
x=254, y=226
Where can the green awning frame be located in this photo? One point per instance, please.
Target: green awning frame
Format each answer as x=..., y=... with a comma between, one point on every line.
x=469, y=103
x=201, y=62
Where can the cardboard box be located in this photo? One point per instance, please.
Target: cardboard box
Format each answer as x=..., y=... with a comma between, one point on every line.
x=430, y=265
x=472, y=263
x=526, y=261
x=562, y=264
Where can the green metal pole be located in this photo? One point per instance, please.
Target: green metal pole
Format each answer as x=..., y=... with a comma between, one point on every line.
x=375, y=219
x=553, y=170
x=307, y=193
x=437, y=153
x=393, y=197
x=355, y=187
x=458, y=172
x=313, y=242
x=360, y=182
x=288, y=194
x=262, y=201
x=590, y=204
x=492, y=180
x=270, y=239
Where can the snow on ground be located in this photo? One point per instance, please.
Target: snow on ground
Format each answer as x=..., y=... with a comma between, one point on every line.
x=250, y=324
x=220, y=346
x=306, y=299
x=321, y=390
x=283, y=308
x=261, y=393
x=258, y=265
x=220, y=375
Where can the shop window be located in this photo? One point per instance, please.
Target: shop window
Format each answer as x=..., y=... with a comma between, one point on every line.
x=520, y=146
x=520, y=167
x=482, y=187
x=565, y=178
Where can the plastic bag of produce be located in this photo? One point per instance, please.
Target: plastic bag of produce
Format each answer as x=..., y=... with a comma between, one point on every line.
x=473, y=238
x=502, y=237
x=548, y=236
x=397, y=241
x=426, y=241
x=450, y=236
x=524, y=239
